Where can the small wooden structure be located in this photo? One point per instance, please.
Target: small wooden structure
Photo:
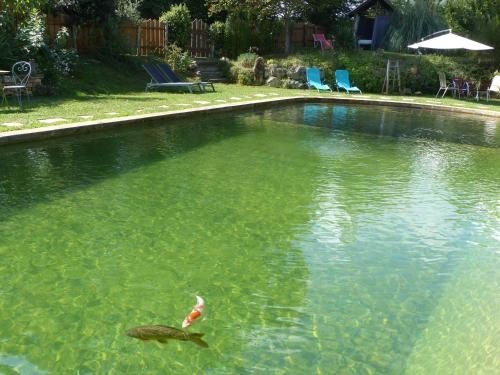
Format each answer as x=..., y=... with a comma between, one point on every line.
x=371, y=19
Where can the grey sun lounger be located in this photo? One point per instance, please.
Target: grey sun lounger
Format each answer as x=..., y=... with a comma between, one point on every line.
x=172, y=77
x=158, y=80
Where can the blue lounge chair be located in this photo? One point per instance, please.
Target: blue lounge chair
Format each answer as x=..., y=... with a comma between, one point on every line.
x=158, y=81
x=172, y=77
x=342, y=82
x=314, y=79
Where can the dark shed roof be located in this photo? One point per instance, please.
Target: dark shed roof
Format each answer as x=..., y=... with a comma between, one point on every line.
x=368, y=4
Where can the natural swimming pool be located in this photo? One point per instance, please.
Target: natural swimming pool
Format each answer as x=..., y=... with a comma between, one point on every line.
x=324, y=239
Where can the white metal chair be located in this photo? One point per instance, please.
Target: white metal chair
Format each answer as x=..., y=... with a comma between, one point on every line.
x=21, y=72
x=495, y=87
x=444, y=85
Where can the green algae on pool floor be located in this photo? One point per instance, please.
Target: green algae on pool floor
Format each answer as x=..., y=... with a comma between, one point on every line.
x=325, y=239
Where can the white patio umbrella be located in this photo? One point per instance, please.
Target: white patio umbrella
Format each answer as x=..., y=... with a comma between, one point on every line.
x=449, y=41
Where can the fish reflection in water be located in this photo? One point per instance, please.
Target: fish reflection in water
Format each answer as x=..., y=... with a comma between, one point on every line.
x=163, y=334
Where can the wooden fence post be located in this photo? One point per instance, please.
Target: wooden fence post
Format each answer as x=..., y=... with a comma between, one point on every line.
x=137, y=40
x=165, y=41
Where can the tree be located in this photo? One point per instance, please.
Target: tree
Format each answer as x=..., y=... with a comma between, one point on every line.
x=129, y=10
x=82, y=11
x=286, y=10
x=475, y=18
x=178, y=19
x=155, y=8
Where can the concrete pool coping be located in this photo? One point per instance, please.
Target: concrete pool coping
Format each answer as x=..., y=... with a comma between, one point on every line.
x=46, y=132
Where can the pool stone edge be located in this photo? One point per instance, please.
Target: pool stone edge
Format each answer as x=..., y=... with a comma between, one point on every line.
x=53, y=131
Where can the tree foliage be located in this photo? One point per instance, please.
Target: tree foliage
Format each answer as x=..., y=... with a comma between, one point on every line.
x=82, y=11
x=285, y=10
x=478, y=19
x=129, y=10
x=155, y=8
x=178, y=19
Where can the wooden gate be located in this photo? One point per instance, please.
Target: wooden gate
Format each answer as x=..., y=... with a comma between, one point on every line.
x=151, y=37
x=200, y=46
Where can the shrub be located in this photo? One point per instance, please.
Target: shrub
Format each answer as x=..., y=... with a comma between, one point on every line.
x=237, y=36
x=246, y=77
x=413, y=21
x=367, y=69
x=241, y=75
x=247, y=60
x=179, y=61
x=178, y=19
x=216, y=36
x=224, y=66
x=30, y=36
x=115, y=43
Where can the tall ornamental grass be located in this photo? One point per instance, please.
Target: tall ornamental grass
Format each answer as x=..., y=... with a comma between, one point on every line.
x=412, y=21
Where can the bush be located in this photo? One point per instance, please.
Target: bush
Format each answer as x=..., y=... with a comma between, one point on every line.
x=30, y=36
x=224, y=66
x=246, y=77
x=241, y=75
x=247, y=60
x=413, y=21
x=178, y=19
x=367, y=69
x=179, y=61
x=237, y=36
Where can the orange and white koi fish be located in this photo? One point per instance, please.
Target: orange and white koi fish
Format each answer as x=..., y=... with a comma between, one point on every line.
x=195, y=313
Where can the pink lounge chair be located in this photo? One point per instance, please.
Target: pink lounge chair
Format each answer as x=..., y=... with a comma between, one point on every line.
x=322, y=41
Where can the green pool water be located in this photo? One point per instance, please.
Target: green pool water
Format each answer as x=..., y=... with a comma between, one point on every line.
x=324, y=239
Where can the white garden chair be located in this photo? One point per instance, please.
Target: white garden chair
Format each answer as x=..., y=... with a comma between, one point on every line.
x=495, y=87
x=21, y=72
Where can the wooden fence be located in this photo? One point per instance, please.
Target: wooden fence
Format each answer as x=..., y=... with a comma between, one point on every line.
x=200, y=46
x=143, y=39
x=300, y=36
x=152, y=35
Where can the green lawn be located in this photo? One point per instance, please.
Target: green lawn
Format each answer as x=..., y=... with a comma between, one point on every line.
x=106, y=91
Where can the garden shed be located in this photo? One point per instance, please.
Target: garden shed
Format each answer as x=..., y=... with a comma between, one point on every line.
x=371, y=20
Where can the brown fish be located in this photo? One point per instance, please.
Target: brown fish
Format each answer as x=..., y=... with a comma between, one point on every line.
x=163, y=334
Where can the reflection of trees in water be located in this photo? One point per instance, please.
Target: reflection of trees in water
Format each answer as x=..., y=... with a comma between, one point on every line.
x=374, y=283
x=30, y=173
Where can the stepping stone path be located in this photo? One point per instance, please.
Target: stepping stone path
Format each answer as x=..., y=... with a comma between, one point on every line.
x=408, y=99
x=260, y=95
x=52, y=120
x=433, y=101
x=220, y=100
x=201, y=102
x=140, y=110
x=235, y=98
x=182, y=104
x=112, y=113
x=248, y=97
x=163, y=106
x=273, y=93
x=12, y=124
x=85, y=116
